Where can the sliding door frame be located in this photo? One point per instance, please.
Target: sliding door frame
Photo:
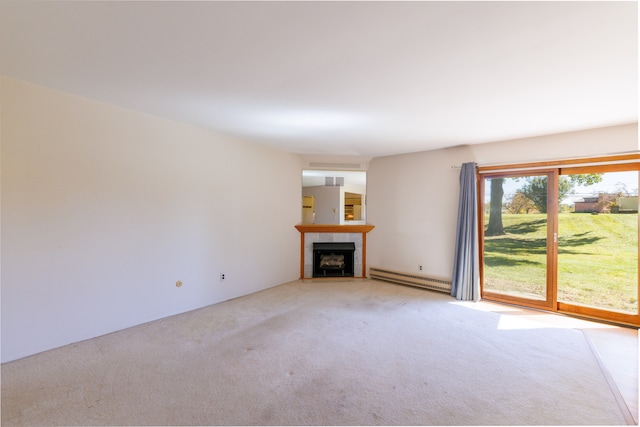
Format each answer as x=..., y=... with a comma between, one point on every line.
x=581, y=310
x=549, y=303
x=555, y=169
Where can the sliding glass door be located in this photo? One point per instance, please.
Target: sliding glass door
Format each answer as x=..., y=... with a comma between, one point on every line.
x=598, y=243
x=563, y=239
x=517, y=229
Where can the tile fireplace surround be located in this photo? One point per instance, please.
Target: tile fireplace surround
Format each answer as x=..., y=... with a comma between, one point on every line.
x=312, y=233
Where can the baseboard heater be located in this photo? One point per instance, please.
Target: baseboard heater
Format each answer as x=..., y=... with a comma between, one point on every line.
x=410, y=279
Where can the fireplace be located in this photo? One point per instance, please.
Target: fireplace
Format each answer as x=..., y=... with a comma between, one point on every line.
x=324, y=233
x=333, y=259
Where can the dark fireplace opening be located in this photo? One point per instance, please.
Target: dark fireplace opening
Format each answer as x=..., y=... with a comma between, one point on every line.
x=334, y=259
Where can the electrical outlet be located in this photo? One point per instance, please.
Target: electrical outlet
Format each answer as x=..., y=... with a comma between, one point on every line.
x=419, y=268
x=221, y=277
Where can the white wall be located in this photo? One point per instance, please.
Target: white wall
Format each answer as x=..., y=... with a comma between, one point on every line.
x=412, y=199
x=104, y=209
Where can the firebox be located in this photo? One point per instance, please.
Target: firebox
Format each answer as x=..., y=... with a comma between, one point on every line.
x=333, y=259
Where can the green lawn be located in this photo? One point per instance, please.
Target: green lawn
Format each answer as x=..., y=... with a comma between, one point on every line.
x=597, y=259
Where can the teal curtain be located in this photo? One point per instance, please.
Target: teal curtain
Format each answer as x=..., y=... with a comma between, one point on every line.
x=466, y=269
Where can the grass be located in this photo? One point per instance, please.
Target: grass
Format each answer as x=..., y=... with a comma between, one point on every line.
x=597, y=259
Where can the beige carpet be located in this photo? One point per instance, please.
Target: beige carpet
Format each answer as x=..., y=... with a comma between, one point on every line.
x=317, y=353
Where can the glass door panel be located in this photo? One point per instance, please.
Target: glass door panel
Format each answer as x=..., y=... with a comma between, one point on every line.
x=598, y=241
x=516, y=234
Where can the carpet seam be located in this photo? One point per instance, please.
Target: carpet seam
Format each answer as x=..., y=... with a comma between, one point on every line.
x=626, y=412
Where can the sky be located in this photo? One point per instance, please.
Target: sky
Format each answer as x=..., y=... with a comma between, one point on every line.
x=612, y=182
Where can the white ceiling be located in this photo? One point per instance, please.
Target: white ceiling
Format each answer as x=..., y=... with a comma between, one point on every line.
x=340, y=78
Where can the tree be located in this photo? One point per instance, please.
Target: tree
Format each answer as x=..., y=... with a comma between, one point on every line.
x=495, y=228
x=519, y=204
x=535, y=187
x=585, y=179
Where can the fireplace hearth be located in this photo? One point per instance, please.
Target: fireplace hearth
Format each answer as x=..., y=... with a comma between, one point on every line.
x=333, y=259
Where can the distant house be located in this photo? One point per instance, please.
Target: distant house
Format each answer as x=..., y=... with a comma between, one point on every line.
x=601, y=204
x=588, y=204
